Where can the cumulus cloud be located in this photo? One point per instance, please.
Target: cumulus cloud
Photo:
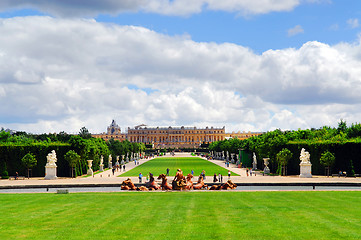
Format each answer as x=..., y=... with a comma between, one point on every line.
x=81, y=8
x=62, y=74
x=295, y=30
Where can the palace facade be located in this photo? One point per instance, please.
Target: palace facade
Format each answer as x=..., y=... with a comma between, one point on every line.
x=113, y=131
x=242, y=135
x=171, y=137
x=175, y=137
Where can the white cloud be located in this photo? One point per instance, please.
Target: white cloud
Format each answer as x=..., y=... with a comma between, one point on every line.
x=81, y=8
x=295, y=30
x=62, y=74
x=353, y=23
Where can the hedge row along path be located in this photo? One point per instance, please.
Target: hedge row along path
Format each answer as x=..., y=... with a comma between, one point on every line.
x=107, y=177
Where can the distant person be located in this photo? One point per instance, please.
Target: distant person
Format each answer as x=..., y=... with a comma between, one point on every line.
x=229, y=174
x=192, y=172
x=113, y=170
x=250, y=172
x=167, y=171
x=215, y=178
x=140, y=177
x=247, y=171
x=16, y=175
x=219, y=177
x=203, y=175
x=124, y=167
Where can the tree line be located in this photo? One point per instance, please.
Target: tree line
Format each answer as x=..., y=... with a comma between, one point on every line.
x=331, y=149
x=21, y=151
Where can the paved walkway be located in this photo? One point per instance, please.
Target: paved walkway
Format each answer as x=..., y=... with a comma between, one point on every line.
x=107, y=177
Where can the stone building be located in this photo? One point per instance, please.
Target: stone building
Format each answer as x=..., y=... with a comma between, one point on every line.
x=242, y=135
x=113, y=131
x=175, y=137
x=171, y=137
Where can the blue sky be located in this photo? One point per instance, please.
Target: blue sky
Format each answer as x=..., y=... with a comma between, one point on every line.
x=325, y=22
x=241, y=64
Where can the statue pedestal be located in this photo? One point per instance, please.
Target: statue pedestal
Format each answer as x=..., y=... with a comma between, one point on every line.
x=101, y=167
x=305, y=170
x=90, y=171
x=50, y=172
x=266, y=170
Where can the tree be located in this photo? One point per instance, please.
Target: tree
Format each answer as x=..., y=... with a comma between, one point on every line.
x=4, y=136
x=73, y=159
x=282, y=157
x=327, y=159
x=84, y=133
x=29, y=161
x=342, y=126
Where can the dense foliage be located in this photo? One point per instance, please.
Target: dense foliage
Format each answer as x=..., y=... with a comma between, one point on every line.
x=344, y=142
x=13, y=147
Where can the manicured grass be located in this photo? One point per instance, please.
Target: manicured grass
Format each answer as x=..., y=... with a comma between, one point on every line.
x=181, y=215
x=159, y=165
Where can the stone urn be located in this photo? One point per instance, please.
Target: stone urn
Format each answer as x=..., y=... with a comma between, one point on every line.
x=266, y=169
x=90, y=170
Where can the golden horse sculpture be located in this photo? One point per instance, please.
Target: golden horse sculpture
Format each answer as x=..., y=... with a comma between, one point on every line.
x=165, y=185
x=228, y=185
x=189, y=184
x=179, y=181
x=129, y=185
x=152, y=185
x=200, y=184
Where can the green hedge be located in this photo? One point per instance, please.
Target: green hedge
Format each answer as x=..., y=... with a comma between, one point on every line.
x=348, y=157
x=11, y=155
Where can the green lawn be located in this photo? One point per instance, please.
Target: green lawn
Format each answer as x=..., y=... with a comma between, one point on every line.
x=159, y=165
x=182, y=215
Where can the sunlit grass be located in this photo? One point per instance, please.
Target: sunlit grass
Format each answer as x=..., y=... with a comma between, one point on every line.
x=159, y=165
x=181, y=215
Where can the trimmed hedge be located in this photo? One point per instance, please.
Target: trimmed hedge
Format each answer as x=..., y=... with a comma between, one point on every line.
x=348, y=157
x=11, y=155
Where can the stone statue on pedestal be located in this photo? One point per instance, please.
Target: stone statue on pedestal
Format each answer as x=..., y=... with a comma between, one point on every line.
x=101, y=165
x=254, y=162
x=50, y=167
x=110, y=164
x=305, y=165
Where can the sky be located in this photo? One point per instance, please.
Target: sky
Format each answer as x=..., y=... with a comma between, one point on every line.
x=243, y=64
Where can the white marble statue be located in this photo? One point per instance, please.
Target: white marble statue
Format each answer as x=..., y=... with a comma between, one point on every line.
x=305, y=156
x=51, y=158
x=101, y=165
x=50, y=167
x=254, y=164
x=305, y=165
